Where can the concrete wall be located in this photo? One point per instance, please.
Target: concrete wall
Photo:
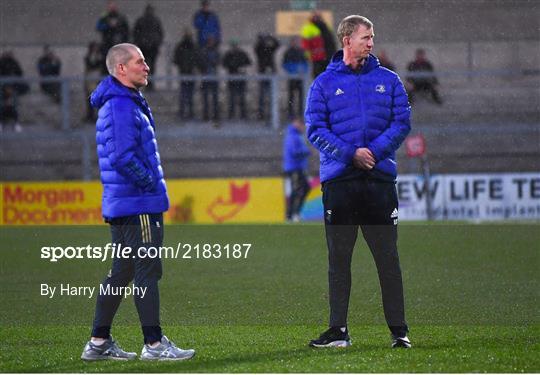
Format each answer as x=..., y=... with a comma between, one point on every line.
x=73, y=21
x=484, y=34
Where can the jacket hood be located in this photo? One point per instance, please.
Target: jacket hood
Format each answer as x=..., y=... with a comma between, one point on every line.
x=337, y=64
x=109, y=88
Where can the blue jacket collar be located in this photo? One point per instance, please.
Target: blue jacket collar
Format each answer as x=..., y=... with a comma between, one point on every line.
x=110, y=87
x=337, y=64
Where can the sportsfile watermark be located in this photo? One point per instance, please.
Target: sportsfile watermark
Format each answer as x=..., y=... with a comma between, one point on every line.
x=181, y=251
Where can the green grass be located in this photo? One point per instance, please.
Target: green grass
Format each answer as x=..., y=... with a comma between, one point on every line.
x=472, y=296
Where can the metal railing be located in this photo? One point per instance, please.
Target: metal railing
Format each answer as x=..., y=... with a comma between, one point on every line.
x=171, y=82
x=68, y=83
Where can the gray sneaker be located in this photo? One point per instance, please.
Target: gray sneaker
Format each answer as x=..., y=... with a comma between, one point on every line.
x=166, y=351
x=108, y=350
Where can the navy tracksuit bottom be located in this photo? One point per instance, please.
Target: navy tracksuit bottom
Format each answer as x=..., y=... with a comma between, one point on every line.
x=371, y=204
x=136, y=232
x=299, y=191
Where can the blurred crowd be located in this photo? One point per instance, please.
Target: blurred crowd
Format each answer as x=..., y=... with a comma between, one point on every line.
x=198, y=57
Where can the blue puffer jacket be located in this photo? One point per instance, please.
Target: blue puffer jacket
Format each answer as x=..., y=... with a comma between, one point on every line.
x=129, y=161
x=347, y=110
x=207, y=24
x=295, y=151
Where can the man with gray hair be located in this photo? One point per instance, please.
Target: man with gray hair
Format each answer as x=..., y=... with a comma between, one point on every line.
x=357, y=116
x=134, y=199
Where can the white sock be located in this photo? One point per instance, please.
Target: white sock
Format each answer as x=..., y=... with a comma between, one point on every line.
x=343, y=329
x=97, y=341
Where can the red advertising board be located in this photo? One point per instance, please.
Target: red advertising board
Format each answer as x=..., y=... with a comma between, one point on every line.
x=415, y=145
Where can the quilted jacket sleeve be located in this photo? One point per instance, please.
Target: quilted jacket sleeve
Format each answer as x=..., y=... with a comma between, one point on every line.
x=390, y=140
x=123, y=156
x=318, y=129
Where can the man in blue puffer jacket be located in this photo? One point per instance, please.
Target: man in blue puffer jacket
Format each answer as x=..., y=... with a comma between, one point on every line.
x=357, y=116
x=295, y=164
x=134, y=199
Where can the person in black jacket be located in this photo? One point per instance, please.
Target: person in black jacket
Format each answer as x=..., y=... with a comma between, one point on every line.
x=426, y=84
x=265, y=49
x=209, y=62
x=148, y=35
x=114, y=29
x=234, y=61
x=93, y=61
x=295, y=63
x=186, y=58
x=49, y=65
x=385, y=61
x=10, y=92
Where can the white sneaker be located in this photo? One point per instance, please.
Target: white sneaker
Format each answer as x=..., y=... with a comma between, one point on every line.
x=18, y=128
x=166, y=351
x=108, y=350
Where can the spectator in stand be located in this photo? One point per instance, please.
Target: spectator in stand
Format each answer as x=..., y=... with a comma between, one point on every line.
x=313, y=43
x=295, y=164
x=10, y=91
x=385, y=62
x=148, y=36
x=10, y=67
x=49, y=65
x=327, y=34
x=93, y=61
x=265, y=49
x=186, y=58
x=206, y=23
x=235, y=60
x=295, y=63
x=8, y=108
x=114, y=29
x=428, y=83
x=209, y=63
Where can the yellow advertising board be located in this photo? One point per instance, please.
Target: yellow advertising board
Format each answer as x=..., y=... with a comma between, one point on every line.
x=50, y=203
x=226, y=201
x=290, y=22
x=205, y=201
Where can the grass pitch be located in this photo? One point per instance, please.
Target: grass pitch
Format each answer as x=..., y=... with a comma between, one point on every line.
x=472, y=294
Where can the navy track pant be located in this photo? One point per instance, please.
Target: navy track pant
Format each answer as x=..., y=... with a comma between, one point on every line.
x=136, y=232
x=371, y=204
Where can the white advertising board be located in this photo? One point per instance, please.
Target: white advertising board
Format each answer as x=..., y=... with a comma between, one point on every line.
x=497, y=196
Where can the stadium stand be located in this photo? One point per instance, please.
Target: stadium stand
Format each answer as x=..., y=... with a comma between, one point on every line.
x=485, y=52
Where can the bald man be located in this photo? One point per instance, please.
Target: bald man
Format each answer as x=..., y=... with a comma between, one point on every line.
x=134, y=199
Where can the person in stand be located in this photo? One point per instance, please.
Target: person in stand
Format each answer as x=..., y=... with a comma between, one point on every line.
x=134, y=200
x=207, y=25
x=314, y=44
x=186, y=58
x=327, y=35
x=148, y=35
x=114, y=29
x=295, y=63
x=427, y=83
x=209, y=61
x=235, y=60
x=385, y=61
x=10, y=91
x=93, y=62
x=49, y=65
x=265, y=50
